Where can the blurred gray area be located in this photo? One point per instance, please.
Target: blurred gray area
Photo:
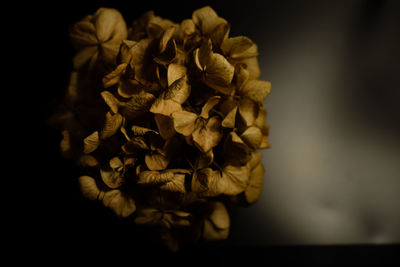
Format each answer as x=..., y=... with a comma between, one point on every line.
x=333, y=169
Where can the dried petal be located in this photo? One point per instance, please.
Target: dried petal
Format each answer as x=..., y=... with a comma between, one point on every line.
x=114, y=77
x=122, y=205
x=206, y=19
x=91, y=143
x=255, y=160
x=234, y=179
x=230, y=119
x=206, y=182
x=165, y=107
x=116, y=163
x=165, y=126
x=248, y=110
x=175, y=72
x=156, y=161
x=88, y=160
x=65, y=144
x=236, y=152
x=184, y=122
x=253, y=189
x=111, y=126
x=110, y=100
x=207, y=137
x=178, y=91
x=239, y=47
x=216, y=226
x=177, y=184
x=89, y=187
x=155, y=177
x=252, y=136
x=210, y=104
x=111, y=178
x=138, y=130
x=256, y=90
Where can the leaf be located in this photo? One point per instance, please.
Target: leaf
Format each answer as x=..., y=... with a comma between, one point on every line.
x=111, y=126
x=122, y=205
x=234, y=179
x=256, y=90
x=208, y=136
x=248, y=110
x=165, y=126
x=216, y=226
x=91, y=143
x=210, y=104
x=111, y=178
x=252, y=136
x=89, y=187
x=155, y=177
x=177, y=184
x=110, y=100
x=156, y=161
x=254, y=187
x=184, y=122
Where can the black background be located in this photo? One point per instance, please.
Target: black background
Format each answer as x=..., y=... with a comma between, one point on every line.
x=60, y=222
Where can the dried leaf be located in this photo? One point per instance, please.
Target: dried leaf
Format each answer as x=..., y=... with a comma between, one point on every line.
x=122, y=205
x=184, y=122
x=216, y=226
x=91, y=143
x=254, y=187
x=111, y=126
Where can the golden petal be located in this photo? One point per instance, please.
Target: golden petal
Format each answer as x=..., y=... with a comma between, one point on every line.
x=114, y=77
x=252, y=136
x=155, y=177
x=115, y=163
x=178, y=91
x=234, y=179
x=122, y=205
x=125, y=55
x=156, y=161
x=111, y=178
x=256, y=90
x=166, y=37
x=219, y=73
x=89, y=187
x=83, y=56
x=177, y=184
x=216, y=227
x=175, y=72
x=165, y=106
x=210, y=104
x=248, y=110
x=239, y=47
x=208, y=136
x=110, y=100
x=206, y=181
x=236, y=152
x=184, y=122
x=254, y=188
x=206, y=19
x=139, y=130
x=83, y=33
x=255, y=160
x=111, y=125
x=91, y=143
x=230, y=119
x=110, y=25
x=165, y=126
x=88, y=160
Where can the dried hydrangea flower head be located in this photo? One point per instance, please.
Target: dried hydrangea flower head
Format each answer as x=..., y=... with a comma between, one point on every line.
x=166, y=120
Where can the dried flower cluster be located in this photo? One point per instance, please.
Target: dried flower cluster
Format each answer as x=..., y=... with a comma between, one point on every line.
x=166, y=120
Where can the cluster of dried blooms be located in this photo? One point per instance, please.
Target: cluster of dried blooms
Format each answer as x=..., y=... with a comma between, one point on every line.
x=166, y=120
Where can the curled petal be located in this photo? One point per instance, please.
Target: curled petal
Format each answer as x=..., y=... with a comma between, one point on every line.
x=216, y=226
x=254, y=187
x=91, y=143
